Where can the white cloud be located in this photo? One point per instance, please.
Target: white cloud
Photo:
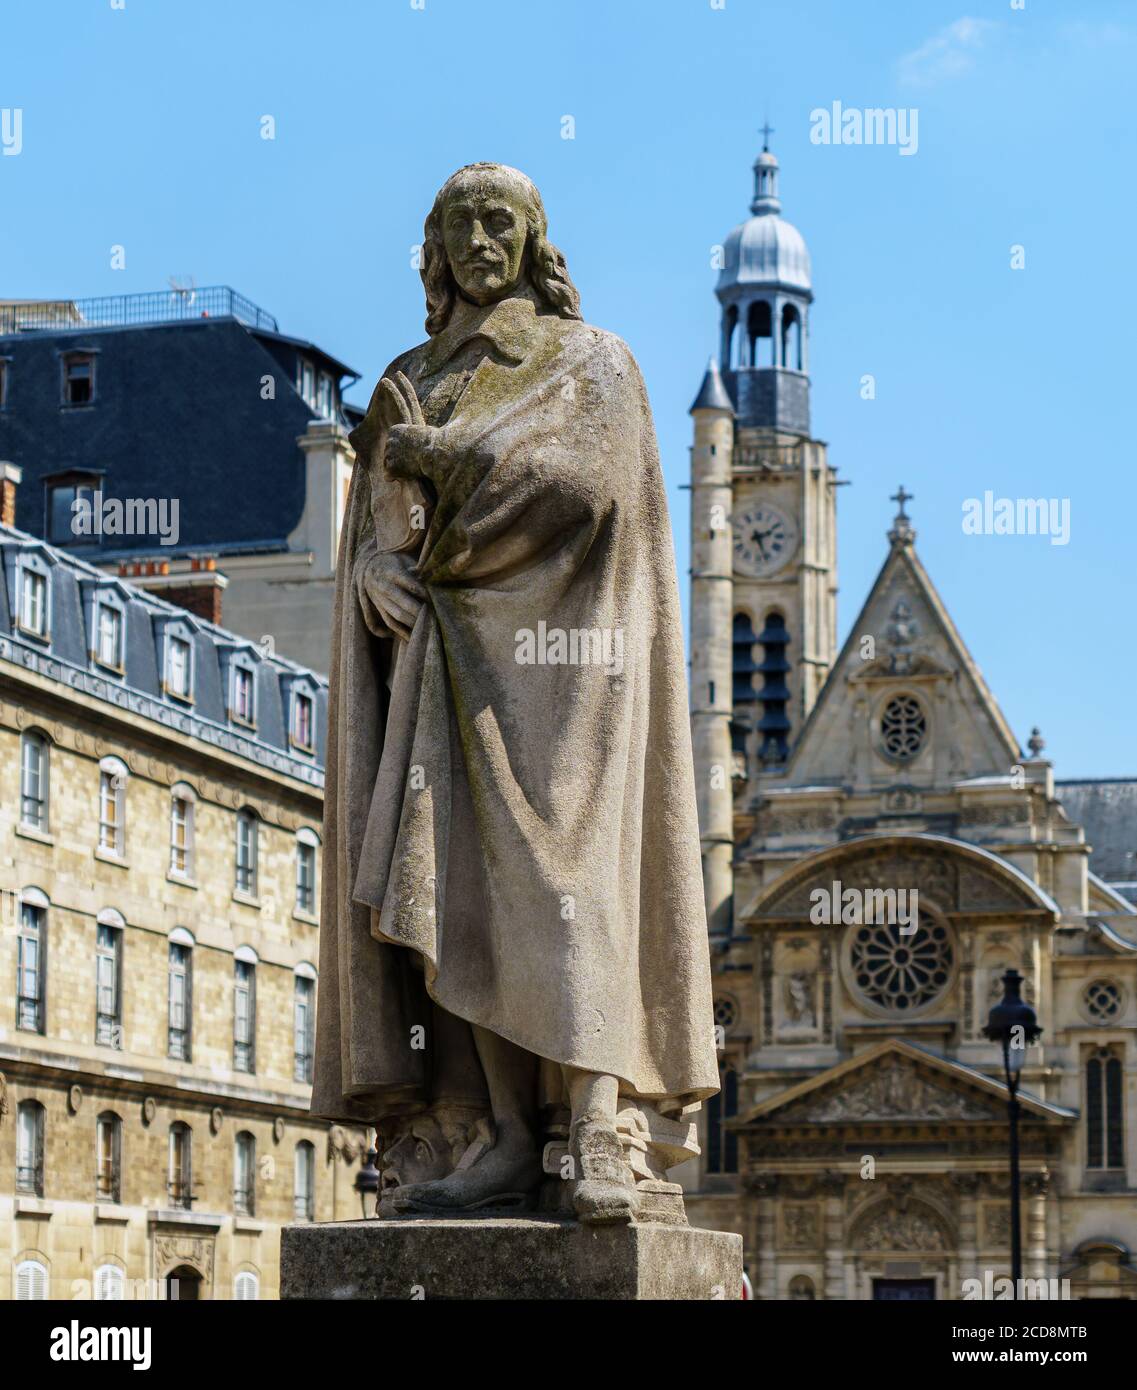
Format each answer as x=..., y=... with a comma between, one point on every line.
x=948, y=54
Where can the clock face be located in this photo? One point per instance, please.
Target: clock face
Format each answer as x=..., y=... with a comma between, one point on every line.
x=764, y=539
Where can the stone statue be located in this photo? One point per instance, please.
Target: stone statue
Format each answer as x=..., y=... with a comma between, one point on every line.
x=799, y=998
x=515, y=982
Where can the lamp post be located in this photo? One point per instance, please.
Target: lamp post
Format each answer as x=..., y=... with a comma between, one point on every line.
x=1014, y=1025
x=367, y=1184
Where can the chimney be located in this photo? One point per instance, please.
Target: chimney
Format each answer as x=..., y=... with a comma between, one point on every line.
x=10, y=475
x=197, y=589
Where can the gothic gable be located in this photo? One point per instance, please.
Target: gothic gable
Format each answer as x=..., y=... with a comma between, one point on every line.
x=905, y=701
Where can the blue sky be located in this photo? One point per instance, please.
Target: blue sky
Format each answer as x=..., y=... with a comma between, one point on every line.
x=141, y=127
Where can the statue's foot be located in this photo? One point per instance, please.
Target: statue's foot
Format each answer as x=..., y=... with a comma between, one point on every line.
x=506, y=1172
x=605, y=1192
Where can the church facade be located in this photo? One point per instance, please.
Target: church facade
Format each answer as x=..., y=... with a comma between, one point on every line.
x=877, y=852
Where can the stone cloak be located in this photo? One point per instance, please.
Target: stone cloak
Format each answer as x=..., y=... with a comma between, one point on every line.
x=513, y=843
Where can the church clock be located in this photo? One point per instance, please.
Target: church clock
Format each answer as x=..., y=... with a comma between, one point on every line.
x=764, y=540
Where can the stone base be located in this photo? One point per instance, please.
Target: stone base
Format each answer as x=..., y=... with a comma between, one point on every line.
x=507, y=1258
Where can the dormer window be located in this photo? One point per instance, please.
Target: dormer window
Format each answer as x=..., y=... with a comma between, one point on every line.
x=33, y=596
x=109, y=635
x=325, y=396
x=243, y=701
x=71, y=510
x=179, y=668
x=303, y=722
x=307, y=382
x=3, y=382
x=78, y=378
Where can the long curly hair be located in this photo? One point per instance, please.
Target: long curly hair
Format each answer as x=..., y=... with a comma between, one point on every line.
x=544, y=264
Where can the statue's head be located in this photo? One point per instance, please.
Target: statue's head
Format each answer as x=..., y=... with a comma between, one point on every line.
x=485, y=239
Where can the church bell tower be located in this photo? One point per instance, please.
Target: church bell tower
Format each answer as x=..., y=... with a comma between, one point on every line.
x=763, y=532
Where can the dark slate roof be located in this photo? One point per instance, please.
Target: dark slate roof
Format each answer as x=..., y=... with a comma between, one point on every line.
x=178, y=413
x=1106, y=808
x=712, y=394
x=65, y=657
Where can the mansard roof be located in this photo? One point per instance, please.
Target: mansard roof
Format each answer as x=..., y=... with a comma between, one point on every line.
x=66, y=655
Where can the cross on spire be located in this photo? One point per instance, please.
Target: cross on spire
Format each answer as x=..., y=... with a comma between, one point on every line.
x=900, y=497
x=767, y=130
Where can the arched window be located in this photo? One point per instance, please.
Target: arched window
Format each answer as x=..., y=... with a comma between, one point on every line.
x=1105, y=1116
x=29, y=1147
x=108, y=978
x=791, y=338
x=182, y=801
x=244, y=1174
x=730, y=338
x=304, y=1022
x=180, y=1172
x=774, y=724
x=722, y=1143
x=760, y=333
x=112, y=806
x=179, y=995
x=110, y=1284
x=34, y=780
x=31, y=962
x=31, y=1280
x=246, y=1286
x=247, y=828
x=304, y=1182
x=801, y=1288
x=108, y=1157
x=245, y=1009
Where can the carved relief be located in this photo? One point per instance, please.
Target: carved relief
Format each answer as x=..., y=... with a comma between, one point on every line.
x=800, y=1226
x=893, y=1090
x=170, y=1251
x=996, y=1225
x=885, y=1227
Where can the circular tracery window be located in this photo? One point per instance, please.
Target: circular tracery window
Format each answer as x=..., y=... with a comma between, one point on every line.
x=1102, y=999
x=901, y=972
x=903, y=727
x=725, y=1012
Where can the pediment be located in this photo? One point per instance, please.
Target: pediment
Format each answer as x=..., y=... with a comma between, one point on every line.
x=893, y=1088
x=895, y=1083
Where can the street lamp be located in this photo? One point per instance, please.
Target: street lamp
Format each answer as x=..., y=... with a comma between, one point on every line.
x=367, y=1184
x=1014, y=1025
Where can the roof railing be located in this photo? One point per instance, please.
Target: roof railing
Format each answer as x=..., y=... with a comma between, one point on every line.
x=128, y=310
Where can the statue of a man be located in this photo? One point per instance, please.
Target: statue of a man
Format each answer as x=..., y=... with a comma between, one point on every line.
x=512, y=913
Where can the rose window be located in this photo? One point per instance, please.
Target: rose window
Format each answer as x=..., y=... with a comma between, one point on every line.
x=901, y=972
x=903, y=727
x=1102, y=999
x=725, y=1012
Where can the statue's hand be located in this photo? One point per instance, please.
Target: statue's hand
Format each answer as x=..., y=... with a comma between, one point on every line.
x=390, y=591
x=409, y=442
x=411, y=451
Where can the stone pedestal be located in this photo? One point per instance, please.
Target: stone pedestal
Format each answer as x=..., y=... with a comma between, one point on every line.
x=529, y=1257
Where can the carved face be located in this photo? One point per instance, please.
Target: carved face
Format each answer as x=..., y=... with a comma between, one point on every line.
x=485, y=230
x=421, y=1154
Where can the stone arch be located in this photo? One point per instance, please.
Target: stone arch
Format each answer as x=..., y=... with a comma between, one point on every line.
x=951, y=874
x=888, y=1226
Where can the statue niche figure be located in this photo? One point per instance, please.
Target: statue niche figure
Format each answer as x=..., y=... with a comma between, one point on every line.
x=515, y=981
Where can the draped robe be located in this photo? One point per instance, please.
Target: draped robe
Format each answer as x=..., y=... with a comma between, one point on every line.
x=511, y=838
